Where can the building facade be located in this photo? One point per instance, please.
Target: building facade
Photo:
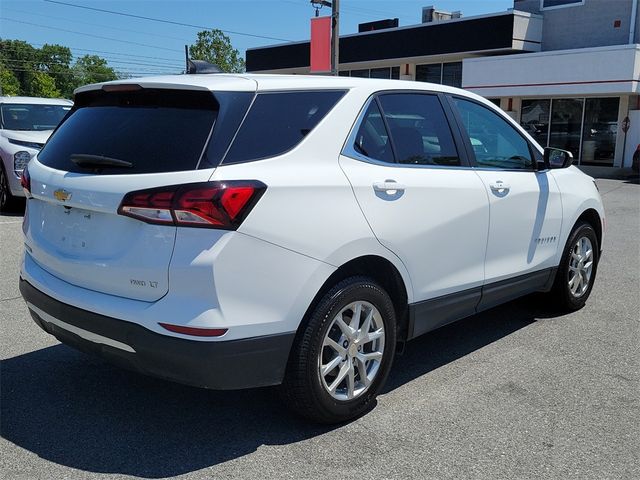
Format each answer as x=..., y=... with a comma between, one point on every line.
x=567, y=70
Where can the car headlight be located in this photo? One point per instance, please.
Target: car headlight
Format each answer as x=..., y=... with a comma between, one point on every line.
x=20, y=160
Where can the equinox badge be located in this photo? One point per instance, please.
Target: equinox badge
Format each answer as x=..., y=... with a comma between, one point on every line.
x=62, y=195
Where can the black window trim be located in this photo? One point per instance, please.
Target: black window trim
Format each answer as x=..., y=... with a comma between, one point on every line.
x=348, y=149
x=467, y=141
x=344, y=92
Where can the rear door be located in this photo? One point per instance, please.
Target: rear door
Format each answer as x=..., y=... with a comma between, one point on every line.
x=420, y=198
x=112, y=143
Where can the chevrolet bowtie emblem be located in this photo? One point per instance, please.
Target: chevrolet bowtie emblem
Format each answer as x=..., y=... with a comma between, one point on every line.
x=62, y=195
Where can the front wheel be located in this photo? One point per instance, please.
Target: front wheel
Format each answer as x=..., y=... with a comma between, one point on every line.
x=7, y=200
x=342, y=357
x=577, y=270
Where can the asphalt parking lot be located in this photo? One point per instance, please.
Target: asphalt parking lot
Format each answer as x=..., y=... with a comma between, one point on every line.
x=516, y=392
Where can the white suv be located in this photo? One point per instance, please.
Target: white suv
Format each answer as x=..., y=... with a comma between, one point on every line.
x=25, y=126
x=232, y=231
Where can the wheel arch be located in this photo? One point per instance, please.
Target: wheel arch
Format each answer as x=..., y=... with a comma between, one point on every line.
x=382, y=271
x=592, y=217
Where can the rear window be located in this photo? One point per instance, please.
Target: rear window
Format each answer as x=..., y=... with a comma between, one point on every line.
x=153, y=130
x=279, y=121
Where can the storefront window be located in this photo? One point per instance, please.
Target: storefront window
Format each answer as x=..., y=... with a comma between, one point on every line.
x=380, y=72
x=600, y=131
x=566, y=123
x=360, y=73
x=429, y=73
x=535, y=119
x=452, y=74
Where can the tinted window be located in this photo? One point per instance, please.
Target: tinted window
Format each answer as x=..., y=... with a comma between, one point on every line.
x=429, y=73
x=419, y=129
x=494, y=141
x=277, y=122
x=558, y=3
x=452, y=74
x=154, y=130
x=32, y=117
x=372, y=139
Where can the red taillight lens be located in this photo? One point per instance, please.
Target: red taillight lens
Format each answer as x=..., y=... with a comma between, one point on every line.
x=207, y=204
x=25, y=180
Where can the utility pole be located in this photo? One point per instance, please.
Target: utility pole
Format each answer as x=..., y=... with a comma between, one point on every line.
x=335, y=36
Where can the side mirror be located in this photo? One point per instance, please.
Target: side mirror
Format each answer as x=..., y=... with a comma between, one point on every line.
x=557, y=158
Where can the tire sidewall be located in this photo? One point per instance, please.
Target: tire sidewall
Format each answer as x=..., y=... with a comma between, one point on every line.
x=361, y=290
x=580, y=230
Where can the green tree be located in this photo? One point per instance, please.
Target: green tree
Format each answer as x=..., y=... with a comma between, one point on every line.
x=215, y=47
x=19, y=57
x=56, y=61
x=43, y=85
x=93, y=69
x=9, y=83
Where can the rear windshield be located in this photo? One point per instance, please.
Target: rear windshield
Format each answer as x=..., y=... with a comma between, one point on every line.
x=19, y=116
x=149, y=130
x=278, y=121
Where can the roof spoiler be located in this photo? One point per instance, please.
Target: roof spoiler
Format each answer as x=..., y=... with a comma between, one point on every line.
x=200, y=66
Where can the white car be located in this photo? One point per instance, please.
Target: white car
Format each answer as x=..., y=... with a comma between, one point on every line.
x=233, y=231
x=25, y=126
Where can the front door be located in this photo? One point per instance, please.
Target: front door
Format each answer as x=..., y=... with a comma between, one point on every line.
x=525, y=204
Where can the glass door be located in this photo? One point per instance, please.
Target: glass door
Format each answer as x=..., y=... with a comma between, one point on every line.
x=600, y=131
x=566, y=124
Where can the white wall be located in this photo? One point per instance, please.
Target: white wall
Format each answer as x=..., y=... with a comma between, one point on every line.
x=633, y=137
x=590, y=71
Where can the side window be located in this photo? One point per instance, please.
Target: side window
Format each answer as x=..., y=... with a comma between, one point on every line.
x=495, y=142
x=277, y=122
x=372, y=139
x=419, y=129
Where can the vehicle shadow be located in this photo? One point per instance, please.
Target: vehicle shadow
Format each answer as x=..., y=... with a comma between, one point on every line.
x=16, y=213
x=80, y=412
x=451, y=342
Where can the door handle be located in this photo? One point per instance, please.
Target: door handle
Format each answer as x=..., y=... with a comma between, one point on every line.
x=388, y=186
x=500, y=187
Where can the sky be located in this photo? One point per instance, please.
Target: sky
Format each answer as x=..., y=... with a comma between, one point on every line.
x=138, y=46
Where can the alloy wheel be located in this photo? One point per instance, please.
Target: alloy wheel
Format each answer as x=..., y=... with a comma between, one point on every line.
x=580, y=267
x=352, y=351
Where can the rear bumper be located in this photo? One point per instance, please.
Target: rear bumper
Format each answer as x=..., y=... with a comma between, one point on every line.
x=221, y=365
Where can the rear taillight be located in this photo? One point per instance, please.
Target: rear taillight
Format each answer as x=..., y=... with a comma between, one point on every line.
x=221, y=205
x=25, y=180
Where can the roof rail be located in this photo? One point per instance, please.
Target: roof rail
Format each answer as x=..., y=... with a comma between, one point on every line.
x=200, y=66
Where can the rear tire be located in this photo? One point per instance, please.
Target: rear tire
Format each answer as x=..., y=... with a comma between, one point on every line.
x=577, y=270
x=342, y=356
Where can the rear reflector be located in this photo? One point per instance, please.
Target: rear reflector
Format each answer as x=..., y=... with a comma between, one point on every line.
x=194, y=331
x=222, y=205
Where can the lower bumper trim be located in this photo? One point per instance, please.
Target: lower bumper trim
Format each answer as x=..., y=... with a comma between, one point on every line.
x=220, y=365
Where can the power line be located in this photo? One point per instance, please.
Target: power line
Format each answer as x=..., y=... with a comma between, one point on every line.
x=108, y=59
x=127, y=55
x=34, y=63
x=137, y=72
x=181, y=39
x=351, y=10
x=89, y=35
x=160, y=20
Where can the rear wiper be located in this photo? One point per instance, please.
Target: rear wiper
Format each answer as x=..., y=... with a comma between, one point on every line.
x=93, y=161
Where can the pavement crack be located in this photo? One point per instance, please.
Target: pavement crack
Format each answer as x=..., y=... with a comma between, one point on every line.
x=10, y=298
